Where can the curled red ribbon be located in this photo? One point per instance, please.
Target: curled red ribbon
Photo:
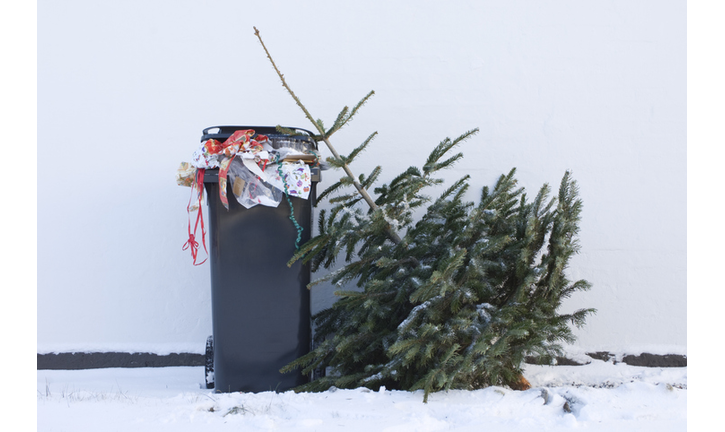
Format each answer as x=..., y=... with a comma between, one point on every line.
x=191, y=243
x=240, y=140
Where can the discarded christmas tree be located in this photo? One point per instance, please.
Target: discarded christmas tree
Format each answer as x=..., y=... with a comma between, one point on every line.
x=454, y=300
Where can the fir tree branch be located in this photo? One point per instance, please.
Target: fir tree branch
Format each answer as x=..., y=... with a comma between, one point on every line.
x=320, y=128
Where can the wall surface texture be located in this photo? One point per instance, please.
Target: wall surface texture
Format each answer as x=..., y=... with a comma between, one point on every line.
x=125, y=88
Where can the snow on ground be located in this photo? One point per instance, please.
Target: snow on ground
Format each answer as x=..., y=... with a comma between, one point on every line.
x=597, y=397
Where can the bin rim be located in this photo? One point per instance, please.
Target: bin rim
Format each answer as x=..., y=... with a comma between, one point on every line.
x=224, y=131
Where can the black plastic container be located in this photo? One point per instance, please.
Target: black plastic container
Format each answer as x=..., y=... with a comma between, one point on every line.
x=260, y=307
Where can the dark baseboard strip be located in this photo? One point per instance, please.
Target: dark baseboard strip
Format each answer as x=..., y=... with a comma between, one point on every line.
x=644, y=359
x=652, y=360
x=99, y=360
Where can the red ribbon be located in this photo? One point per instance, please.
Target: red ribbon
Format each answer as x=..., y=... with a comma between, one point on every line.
x=192, y=243
x=223, y=170
x=239, y=138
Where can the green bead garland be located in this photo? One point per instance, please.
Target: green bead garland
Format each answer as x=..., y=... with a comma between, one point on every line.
x=291, y=208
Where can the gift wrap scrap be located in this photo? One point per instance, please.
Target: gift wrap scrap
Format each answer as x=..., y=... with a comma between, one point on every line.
x=259, y=174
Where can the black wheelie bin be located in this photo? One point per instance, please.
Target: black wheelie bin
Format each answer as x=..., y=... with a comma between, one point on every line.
x=260, y=306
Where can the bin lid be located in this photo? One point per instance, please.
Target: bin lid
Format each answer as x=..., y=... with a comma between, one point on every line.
x=301, y=142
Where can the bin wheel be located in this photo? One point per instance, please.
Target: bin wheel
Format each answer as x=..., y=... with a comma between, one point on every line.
x=209, y=363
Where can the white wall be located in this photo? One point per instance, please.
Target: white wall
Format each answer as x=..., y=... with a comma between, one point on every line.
x=125, y=88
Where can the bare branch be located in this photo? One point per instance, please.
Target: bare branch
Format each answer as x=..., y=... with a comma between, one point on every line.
x=363, y=192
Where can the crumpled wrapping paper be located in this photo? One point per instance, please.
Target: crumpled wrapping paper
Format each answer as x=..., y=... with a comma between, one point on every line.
x=254, y=168
x=257, y=172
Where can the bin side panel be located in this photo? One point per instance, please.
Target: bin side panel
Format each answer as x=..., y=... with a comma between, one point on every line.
x=260, y=307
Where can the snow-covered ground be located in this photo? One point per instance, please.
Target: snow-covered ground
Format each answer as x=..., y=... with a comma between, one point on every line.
x=597, y=397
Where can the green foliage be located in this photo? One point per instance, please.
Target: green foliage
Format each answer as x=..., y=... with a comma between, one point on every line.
x=346, y=115
x=461, y=298
x=469, y=291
